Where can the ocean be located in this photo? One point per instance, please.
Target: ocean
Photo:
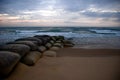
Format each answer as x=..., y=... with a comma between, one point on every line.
x=82, y=37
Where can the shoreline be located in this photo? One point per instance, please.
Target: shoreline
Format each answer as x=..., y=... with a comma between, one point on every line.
x=88, y=52
x=54, y=58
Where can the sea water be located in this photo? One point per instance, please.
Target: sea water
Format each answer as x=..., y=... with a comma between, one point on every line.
x=82, y=37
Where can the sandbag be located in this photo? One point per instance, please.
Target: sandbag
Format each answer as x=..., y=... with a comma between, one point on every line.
x=52, y=42
x=48, y=45
x=58, y=45
x=41, y=36
x=28, y=43
x=61, y=38
x=68, y=43
x=58, y=41
x=42, y=48
x=31, y=58
x=35, y=42
x=49, y=53
x=56, y=37
x=21, y=49
x=53, y=38
x=44, y=38
x=54, y=48
x=8, y=60
x=31, y=39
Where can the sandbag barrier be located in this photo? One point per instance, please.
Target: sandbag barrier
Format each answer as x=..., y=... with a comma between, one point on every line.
x=29, y=50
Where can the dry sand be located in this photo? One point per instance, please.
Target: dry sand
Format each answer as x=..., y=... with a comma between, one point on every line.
x=73, y=64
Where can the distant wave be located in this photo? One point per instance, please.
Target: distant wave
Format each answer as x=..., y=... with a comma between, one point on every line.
x=28, y=31
x=10, y=34
x=2, y=32
x=104, y=31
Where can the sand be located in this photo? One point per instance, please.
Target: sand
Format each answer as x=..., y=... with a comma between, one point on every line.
x=73, y=64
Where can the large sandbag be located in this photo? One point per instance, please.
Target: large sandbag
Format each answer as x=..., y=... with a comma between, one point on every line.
x=52, y=42
x=56, y=37
x=58, y=41
x=35, y=42
x=31, y=39
x=41, y=36
x=58, y=45
x=54, y=48
x=61, y=38
x=68, y=43
x=49, y=53
x=42, y=48
x=44, y=38
x=19, y=72
x=31, y=58
x=48, y=45
x=28, y=43
x=21, y=49
x=53, y=38
x=8, y=60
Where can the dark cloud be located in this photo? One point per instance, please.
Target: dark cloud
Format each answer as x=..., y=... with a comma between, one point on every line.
x=19, y=7
x=102, y=14
x=79, y=5
x=73, y=5
x=106, y=16
x=76, y=5
x=8, y=6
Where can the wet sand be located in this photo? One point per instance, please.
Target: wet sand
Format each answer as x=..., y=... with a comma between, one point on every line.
x=73, y=64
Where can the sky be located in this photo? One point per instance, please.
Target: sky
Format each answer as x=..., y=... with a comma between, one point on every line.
x=99, y=13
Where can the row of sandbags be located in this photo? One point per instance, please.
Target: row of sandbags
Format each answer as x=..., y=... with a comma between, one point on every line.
x=29, y=50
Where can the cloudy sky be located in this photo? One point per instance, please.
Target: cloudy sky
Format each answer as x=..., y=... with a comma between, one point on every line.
x=60, y=13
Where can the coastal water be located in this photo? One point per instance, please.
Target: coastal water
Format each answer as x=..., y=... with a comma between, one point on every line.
x=83, y=37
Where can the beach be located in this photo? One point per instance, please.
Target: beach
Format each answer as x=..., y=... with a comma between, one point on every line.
x=94, y=56
x=73, y=64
